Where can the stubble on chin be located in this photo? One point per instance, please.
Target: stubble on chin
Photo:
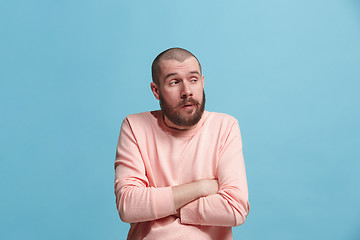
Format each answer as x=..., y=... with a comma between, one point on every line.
x=175, y=116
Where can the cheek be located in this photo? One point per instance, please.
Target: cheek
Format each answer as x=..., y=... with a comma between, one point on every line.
x=199, y=93
x=171, y=94
x=170, y=98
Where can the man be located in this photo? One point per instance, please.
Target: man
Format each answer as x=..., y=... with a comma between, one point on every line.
x=179, y=171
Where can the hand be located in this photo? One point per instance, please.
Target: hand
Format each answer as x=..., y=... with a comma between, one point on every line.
x=185, y=193
x=209, y=187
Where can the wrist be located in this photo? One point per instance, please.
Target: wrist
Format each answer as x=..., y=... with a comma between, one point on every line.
x=207, y=187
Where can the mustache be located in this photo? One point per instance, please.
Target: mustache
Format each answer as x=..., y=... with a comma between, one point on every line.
x=187, y=101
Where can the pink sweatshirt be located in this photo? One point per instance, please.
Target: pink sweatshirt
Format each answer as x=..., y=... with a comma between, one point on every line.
x=151, y=158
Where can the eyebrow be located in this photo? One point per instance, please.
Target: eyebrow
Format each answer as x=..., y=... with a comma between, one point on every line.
x=169, y=75
x=174, y=74
x=195, y=72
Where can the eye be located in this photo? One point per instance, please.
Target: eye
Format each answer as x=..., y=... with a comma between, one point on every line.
x=193, y=80
x=173, y=82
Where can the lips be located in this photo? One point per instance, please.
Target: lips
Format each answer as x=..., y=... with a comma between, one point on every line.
x=187, y=105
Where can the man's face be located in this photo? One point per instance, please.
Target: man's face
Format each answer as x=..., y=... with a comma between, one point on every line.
x=181, y=92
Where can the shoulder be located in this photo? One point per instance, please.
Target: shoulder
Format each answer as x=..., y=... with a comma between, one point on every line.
x=220, y=118
x=138, y=117
x=220, y=123
x=142, y=121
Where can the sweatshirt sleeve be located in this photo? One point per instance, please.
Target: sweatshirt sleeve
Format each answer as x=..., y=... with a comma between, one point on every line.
x=136, y=200
x=230, y=206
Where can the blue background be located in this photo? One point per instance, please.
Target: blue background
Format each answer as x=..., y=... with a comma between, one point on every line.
x=70, y=71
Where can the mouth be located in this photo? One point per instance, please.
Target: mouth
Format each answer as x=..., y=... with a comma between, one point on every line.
x=188, y=105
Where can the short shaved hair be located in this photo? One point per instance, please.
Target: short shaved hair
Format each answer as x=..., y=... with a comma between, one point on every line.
x=178, y=54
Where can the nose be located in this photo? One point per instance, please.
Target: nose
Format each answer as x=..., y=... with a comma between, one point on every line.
x=186, y=90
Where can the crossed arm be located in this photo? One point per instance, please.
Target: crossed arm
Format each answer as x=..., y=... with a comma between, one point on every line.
x=137, y=202
x=186, y=193
x=221, y=202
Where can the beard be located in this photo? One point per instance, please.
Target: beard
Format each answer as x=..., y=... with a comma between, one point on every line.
x=175, y=116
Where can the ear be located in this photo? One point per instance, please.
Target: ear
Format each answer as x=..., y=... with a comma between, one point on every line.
x=155, y=90
x=203, y=80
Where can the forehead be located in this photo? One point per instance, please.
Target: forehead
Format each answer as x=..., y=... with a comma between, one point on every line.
x=173, y=66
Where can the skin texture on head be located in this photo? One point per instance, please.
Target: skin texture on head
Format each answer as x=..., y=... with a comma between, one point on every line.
x=179, y=88
x=178, y=54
